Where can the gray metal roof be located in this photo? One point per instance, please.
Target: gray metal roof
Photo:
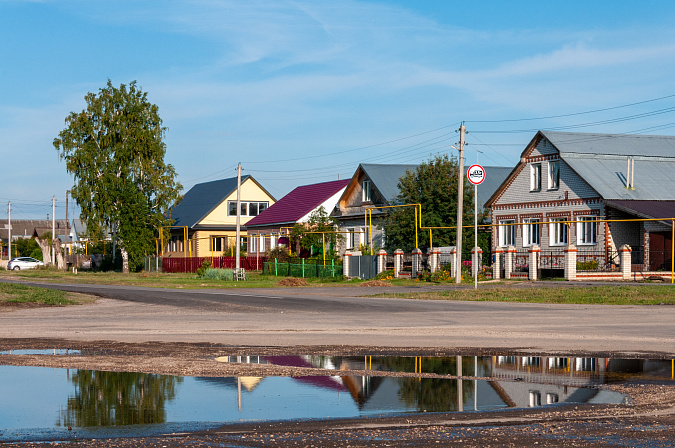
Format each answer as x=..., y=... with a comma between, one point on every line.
x=494, y=176
x=385, y=177
x=612, y=144
x=601, y=160
x=201, y=199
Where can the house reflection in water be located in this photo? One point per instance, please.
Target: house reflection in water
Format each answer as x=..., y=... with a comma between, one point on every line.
x=512, y=381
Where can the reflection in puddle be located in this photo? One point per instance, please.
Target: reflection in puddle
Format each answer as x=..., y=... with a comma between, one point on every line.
x=42, y=403
x=51, y=351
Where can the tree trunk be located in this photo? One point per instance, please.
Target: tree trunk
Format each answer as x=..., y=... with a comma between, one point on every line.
x=125, y=260
x=44, y=247
x=58, y=252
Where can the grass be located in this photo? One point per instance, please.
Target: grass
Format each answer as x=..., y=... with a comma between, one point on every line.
x=13, y=293
x=559, y=294
x=514, y=291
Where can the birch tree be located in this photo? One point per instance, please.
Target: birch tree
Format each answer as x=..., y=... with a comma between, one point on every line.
x=115, y=151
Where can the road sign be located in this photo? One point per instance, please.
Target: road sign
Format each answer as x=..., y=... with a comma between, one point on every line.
x=476, y=174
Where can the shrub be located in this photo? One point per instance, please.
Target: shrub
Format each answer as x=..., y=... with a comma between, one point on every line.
x=206, y=264
x=385, y=275
x=280, y=253
x=219, y=274
x=587, y=265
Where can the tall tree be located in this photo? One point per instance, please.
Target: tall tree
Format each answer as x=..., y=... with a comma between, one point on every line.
x=433, y=185
x=115, y=151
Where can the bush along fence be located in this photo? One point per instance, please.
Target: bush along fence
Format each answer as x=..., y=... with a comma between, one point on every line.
x=191, y=264
x=302, y=268
x=569, y=262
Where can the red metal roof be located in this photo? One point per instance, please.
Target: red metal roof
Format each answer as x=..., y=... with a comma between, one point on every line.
x=298, y=203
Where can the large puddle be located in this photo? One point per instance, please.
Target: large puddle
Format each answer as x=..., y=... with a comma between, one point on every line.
x=57, y=404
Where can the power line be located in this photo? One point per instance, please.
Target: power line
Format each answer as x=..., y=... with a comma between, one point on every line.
x=572, y=114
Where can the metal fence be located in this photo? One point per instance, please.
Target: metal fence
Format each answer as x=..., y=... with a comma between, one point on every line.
x=191, y=264
x=302, y=268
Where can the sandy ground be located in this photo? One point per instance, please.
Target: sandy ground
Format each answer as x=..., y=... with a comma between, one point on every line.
x=126, y=336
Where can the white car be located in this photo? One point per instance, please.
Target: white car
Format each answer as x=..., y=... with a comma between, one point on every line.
x=16, y=264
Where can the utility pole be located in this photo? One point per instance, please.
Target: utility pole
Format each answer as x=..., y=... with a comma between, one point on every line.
x=237, y=262
x=53, y=228
x=66, y=231
x=460, y=205
x=9, y=230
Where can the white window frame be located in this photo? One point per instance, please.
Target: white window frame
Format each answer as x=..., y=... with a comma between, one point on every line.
x=558, y=232
x=367, y=191
x=585, y=229
x=554, y=175
x=273, y=240
x=529, y=225
x=245, y=209
x=221, y=241
x=535, y=177
x=253, y=243
x=507, y=233
x=262, y=238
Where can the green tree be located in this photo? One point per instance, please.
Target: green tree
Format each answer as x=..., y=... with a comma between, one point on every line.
x=115, y=151
x=309, y=235
x=433, y=185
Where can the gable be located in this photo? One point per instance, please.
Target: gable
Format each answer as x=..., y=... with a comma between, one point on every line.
x=251, y=191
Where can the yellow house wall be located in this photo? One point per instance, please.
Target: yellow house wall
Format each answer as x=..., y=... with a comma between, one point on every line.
x=250, y=191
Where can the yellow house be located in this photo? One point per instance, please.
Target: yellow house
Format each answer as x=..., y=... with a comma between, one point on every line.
x=207, y=217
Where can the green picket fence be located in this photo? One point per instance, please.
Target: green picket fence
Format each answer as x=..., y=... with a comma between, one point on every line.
x=301, y=268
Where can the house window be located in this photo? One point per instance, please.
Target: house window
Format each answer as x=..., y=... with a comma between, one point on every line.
x=218, y=244
x=248, y=208
x=586, y=230
x=558, y=232
x=273, y=240
x=366, y=191
x=507, y=232
x=354, y=237
x=535, y=177
x=553, y=175
x=253, y=243
x=532, y=232
x=262, y=242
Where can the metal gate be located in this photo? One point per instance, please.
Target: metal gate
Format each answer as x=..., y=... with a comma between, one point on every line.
x=363, y=266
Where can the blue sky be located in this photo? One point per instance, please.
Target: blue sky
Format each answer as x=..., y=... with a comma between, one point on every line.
x=303, y=91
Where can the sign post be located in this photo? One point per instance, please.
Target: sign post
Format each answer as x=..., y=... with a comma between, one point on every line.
x=476, y=175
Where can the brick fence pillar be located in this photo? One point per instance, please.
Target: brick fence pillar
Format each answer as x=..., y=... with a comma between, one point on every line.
x=625, y=257
x=476, y=260
x=381, y=260
x=346, y=261
x=453, y=261
x=509, y=261
x=435, y=260
x=416, y=263
x=570, y=262
x=398, y=262
x=498, y=256
x=533, y=270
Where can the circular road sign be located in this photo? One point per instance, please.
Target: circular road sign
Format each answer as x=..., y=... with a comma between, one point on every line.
x=476, y=174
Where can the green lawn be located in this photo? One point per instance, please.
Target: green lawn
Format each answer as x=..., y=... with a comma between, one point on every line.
x=13, y=293
x=619, y=294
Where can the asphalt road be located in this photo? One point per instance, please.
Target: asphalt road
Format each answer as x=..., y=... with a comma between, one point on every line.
x=338, y=316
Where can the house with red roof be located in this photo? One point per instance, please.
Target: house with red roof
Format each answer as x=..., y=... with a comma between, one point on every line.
x=267, y=228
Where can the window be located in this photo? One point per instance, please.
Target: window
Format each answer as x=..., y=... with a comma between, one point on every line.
x=531, y=232
x=354, y=237
x=253, y=243
x=535, y=177
x=262, y=242
x=558, y=232
x=248, y=208
x=507, y=232
x=366, y=191
x=217, y=244
x=553, y=175
x=273, y=240
x=586, y=230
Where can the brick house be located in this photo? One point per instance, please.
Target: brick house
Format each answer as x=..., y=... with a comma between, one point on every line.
x=566, y=181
